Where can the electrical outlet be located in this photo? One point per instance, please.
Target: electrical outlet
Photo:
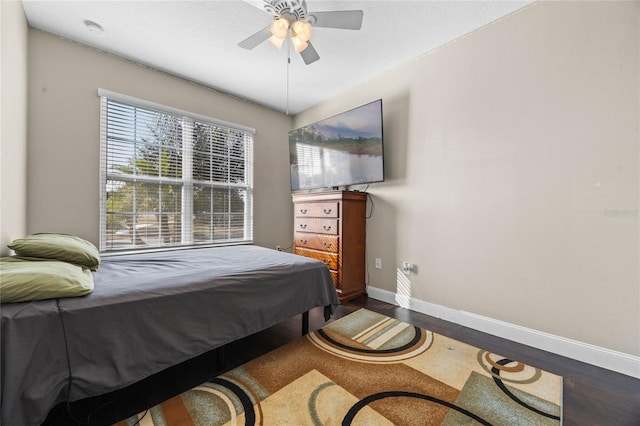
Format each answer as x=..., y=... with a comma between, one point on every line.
x=279, y=247
x=378, y=263
x=406, y=268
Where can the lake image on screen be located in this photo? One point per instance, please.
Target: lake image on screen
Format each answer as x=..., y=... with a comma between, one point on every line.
x=342, y=150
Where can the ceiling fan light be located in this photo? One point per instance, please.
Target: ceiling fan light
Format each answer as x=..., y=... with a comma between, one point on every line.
x=279, y=28
x=298, y=44
x=303, y=29
x=277, y=42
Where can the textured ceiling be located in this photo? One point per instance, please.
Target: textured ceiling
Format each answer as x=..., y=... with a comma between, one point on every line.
x=197, y=40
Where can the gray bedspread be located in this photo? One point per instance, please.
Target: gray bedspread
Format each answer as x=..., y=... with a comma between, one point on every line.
x=147, y=312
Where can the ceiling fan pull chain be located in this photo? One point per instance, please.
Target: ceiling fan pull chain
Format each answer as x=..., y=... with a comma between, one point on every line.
x=288, y=64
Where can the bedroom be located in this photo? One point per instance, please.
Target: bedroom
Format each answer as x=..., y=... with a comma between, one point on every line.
x=511, y=175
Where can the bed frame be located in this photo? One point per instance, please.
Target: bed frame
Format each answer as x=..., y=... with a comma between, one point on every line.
x=148, y=312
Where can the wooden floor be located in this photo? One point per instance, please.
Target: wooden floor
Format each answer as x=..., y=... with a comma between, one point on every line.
x=592, y=395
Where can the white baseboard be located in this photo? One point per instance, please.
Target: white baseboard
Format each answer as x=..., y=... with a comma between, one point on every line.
x=585, y=352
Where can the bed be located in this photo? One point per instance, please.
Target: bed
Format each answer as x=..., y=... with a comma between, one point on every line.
x=147, y=312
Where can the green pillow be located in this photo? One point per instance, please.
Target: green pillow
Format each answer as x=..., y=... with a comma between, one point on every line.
x=22, y=280
x=67, y=248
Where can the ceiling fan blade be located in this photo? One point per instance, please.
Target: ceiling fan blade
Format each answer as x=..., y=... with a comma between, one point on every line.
x=254, y=40
x=268, y=6
x=342, y=19
x=309, y=55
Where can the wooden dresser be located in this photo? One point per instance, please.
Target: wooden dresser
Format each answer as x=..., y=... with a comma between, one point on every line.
x=331, y=227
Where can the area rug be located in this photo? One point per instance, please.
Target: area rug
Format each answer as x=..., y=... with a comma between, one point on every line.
x=369, y=369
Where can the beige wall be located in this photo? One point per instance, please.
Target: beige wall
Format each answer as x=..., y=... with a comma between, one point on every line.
x=13, y=123
x=512, y=166
x=64, y=138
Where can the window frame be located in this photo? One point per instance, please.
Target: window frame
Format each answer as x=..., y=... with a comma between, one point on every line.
x=186, y=183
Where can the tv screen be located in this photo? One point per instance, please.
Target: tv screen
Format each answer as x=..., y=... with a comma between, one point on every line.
x=339, y=151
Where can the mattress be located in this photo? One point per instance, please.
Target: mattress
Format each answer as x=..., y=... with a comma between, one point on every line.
x=147, y=312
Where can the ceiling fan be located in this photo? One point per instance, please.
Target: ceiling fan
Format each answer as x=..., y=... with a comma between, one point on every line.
x=291, y=20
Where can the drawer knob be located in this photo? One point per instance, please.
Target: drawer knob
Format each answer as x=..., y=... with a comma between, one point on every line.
x=303, y=211
x=327, y=245
x=327, y=211
x=303, y=241
x=303, y=225
x=326, y=228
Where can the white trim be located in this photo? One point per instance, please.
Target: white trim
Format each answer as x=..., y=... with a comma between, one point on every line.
x=172, y=248
x=580, y=351
x=152, y=105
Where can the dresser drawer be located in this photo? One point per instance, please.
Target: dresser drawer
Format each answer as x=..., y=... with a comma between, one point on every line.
x=316, y=226
x=317, y=242
x=316, y=210
x=330, y=259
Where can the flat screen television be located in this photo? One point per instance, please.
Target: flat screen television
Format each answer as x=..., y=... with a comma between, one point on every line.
x=339, y=151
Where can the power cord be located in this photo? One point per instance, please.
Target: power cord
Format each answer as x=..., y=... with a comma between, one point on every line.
x=371, y=201
x=113, y=401
x=288, y=248
x=69, y=377
x=70, y=380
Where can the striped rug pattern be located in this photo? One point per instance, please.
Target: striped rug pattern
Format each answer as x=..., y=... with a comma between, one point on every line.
x=369, y=369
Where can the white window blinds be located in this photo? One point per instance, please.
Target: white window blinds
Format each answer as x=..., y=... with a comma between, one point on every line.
x=171, y=178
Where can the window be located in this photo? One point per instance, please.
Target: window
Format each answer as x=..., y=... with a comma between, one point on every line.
x=171, y=178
